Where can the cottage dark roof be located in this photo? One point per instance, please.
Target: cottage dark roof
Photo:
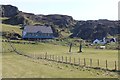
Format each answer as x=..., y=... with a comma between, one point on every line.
x=35, y=29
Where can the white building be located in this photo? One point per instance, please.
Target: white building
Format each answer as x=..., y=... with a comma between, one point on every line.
x=104, y=41
x=96, y=41
x=99, y=41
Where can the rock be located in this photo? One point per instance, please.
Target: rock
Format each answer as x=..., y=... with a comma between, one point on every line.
x=9, y=10
x=95, y=29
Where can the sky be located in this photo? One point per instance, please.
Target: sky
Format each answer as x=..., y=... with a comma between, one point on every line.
x=78, y=9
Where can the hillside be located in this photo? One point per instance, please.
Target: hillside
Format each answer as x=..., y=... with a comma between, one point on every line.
x=95, y=29
x=62, y=25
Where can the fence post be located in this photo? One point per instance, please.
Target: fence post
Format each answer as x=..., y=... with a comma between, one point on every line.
x=62, y=59
x=74, y=61
x=79, y=61
x=50, y=57
x=46, y=55
x=106, y=64
x=53, y=57
x=58, y=58
x=115, y=65
x=70, y=60
x=41, y=56
x=34, y=55
x=90, y=62
x=38, y=57
x=84, y=62
x=98, y=62
x=66, y=59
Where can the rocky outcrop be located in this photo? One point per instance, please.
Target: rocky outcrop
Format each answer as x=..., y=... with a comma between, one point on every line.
x=95, y=29
x=20, y=18
x=61, y=20
x=32, y=19
x=9, y=10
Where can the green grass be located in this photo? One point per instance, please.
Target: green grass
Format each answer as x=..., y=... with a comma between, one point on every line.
x=3, y=18
x=65, y=34
x=10, y=28
x=42, y=48
x=19, y=66
x=58, y=50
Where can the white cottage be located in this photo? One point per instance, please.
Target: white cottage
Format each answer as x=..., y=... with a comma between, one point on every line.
x=96, y=41
x=104, y=41
x=99, y=41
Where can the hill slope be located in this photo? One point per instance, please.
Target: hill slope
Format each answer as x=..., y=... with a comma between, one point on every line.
x=62, y=24
x=91, y=30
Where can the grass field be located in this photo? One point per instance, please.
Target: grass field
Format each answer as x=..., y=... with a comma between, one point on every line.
x=19, y=66
x=10, y=28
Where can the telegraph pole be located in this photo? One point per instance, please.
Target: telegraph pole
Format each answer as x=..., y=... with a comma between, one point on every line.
x=70, y=47
x=80, y=47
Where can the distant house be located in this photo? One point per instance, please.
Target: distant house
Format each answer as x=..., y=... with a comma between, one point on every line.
x=104, y=41
x=37, y=32
x=96, y=41
x=111, y=40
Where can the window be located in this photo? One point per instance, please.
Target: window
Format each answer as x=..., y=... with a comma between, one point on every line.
x=39, y=34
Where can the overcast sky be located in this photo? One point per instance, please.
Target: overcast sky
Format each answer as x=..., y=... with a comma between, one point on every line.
x=78, y=9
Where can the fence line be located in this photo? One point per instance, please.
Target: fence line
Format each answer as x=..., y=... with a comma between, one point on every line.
x=61, y=59
x=66, y=60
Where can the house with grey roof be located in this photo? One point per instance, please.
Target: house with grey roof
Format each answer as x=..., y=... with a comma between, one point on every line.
x=37, y=32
